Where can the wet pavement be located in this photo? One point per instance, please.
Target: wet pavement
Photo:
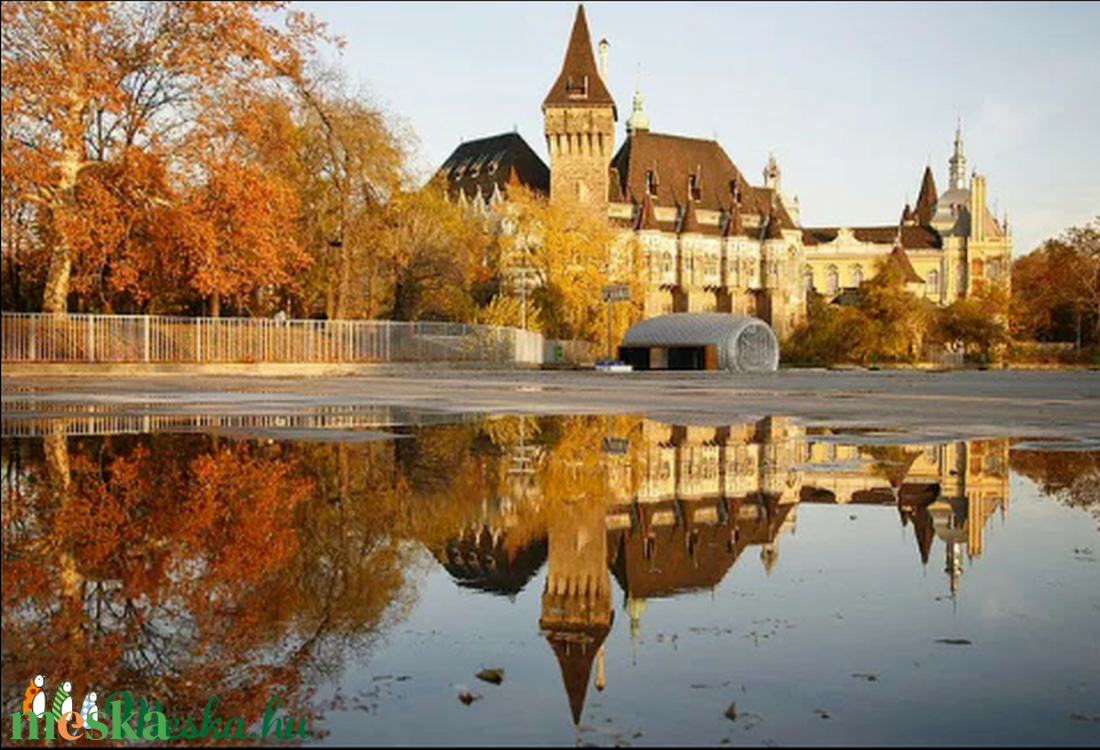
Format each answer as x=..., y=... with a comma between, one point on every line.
x=408, y=577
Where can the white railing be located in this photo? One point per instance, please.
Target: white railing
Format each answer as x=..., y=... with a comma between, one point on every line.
x=125, y=339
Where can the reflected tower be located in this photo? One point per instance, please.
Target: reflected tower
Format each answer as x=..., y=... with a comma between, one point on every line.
x=576, y=604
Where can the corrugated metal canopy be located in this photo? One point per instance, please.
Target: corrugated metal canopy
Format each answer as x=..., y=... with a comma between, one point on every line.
x=744, y=344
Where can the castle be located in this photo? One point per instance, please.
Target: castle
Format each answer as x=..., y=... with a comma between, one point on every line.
x=712, y=241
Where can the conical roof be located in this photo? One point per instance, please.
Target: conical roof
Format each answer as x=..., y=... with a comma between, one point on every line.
x=580, y=83
x=929, y=197
x=576, y=651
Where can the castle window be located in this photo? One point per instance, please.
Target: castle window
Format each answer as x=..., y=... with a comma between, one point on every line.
x=808, y=279
x=695, y=189
x=576, y=89
x=832, y=286
x=651, y=183
x=934, y=283
x=857, y=276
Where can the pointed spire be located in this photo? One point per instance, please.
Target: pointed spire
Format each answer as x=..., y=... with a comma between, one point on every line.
x=580, y=83
x=576, y=652
x=958, y=161
x=929, y=197
x=639, y=121
x=907, y=217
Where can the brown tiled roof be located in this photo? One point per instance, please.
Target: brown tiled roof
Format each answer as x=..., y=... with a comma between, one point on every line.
x=647, y=220
x=912, y=237
x=929, y=197
x=735, y=225
x=772, y=227
x=579, y=67
x=690, y=223
x=576, y=650
x=993, y=229
x=673, y=160
x=900, y=259
x=616, y=193
x=500, y=161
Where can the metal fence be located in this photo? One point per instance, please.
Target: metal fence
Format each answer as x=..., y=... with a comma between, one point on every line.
x=135, y=339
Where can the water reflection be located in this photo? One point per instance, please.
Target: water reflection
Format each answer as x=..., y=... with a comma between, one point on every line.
x=179, y=566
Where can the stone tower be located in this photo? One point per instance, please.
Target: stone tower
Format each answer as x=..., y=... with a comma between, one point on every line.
x=580, y=118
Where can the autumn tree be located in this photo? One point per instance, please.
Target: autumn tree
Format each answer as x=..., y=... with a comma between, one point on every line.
x=886, y=322
x=86, y=82
x=573, y=254
x=437, y=251
x=1056, y=289
x=978, y=323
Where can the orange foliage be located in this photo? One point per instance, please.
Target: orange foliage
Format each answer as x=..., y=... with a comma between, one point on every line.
x=86, y=84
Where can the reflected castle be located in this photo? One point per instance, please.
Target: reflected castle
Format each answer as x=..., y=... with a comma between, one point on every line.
x=233, y=514
x=669, y=510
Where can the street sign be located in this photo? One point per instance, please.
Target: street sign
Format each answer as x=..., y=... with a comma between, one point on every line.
x=620, y=293
x=616, y=447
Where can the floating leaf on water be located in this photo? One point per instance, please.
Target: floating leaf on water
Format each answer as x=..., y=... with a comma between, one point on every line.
x=492, y=676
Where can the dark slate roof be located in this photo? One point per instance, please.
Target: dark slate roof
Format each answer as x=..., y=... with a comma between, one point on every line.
x=477, y=562
x=500, y=161
x=579, y=67
x=912, y=237
x=673, y=160
x=929, y=197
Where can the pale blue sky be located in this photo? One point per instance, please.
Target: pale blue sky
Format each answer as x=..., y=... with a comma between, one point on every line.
x=854, y=99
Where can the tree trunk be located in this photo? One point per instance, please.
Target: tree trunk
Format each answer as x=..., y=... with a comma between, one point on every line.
x=55, y=445
x=215, y=305
x=343, y=284
x=55, y=298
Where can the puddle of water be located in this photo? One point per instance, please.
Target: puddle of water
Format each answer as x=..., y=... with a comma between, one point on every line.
x=584, y=580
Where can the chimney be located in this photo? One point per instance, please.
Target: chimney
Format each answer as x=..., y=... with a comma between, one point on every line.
x=605, y=52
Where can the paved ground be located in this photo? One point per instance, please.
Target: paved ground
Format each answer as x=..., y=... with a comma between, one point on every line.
x=1005, y=403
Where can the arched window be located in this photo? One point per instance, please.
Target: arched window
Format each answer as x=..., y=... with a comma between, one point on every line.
x=857, y=276
x=832, y=284
x=808, y=278
x=934, y=283
x=666, y=264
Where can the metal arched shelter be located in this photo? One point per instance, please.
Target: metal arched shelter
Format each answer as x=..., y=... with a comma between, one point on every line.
x=702, y=341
